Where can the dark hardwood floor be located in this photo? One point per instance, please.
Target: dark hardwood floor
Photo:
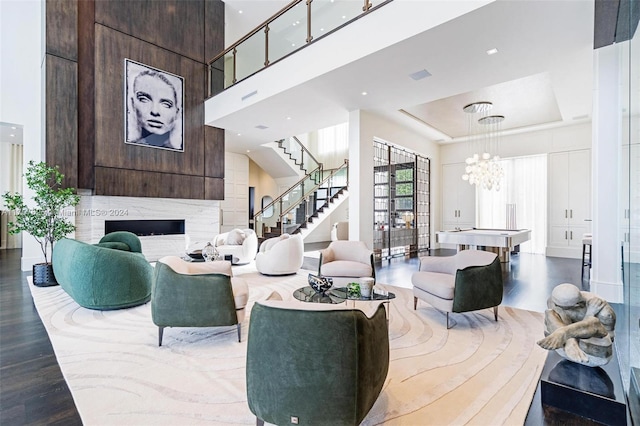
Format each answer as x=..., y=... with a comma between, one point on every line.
x=33, y=391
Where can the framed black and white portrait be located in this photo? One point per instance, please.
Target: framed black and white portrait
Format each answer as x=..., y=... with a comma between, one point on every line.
x=154, y=107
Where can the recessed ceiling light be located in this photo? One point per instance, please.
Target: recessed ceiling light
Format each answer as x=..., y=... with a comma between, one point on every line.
x=248, y=150
x=240, y=11
x=364, y=93
x=321, y=29
x=13, y=127
x=344, y=17
x=492, y=51
x=239, y=134
x=12, y=136
x=288, y=118
x=293, y=45
x=419, y=75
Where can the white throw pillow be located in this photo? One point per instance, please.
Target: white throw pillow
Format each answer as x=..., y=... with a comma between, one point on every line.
x=235, y=237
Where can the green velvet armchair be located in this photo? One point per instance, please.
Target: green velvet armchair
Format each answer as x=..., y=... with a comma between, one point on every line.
x=468, y=281
x=189, y=294
x=112, y=274
x=315, y=364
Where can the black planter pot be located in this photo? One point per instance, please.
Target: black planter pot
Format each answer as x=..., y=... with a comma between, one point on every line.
x=43, y=275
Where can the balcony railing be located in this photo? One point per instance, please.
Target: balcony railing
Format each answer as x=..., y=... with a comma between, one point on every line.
x=295, y=26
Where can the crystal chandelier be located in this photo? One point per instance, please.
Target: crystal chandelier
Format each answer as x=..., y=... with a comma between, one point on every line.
x=483, y=169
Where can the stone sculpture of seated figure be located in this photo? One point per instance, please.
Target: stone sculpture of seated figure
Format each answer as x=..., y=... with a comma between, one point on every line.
x=579, y=325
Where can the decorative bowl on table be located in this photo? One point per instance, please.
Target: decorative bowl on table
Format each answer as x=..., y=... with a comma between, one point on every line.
x=319, y=283
x=196, y=255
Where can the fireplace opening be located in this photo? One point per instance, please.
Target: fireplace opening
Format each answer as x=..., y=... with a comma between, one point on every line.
x=146, y=227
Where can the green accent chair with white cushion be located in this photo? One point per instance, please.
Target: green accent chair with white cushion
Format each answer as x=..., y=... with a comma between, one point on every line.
x=112, y=274
x=468, y=281
x=197, y=294
x=319, y=363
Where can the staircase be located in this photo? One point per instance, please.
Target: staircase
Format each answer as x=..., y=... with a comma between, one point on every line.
x=304, y=205
x=324, y=212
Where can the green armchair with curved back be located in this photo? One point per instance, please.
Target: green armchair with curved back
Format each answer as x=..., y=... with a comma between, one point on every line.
x=112, y=274
x=468, y=281
x=205, y=294
x=320, y=363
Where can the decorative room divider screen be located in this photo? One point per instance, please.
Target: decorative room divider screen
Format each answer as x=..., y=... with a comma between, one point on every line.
x=402, y=207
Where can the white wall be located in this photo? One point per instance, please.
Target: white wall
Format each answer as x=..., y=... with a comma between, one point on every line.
x=557, y=139
x=21, y=87
x=364, y=128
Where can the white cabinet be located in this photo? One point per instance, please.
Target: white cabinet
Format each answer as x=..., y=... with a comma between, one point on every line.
x=458, y=198
x=569, y=201
x=630, y=202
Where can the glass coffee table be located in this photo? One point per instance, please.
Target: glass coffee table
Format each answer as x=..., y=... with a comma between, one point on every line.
x=339, y=295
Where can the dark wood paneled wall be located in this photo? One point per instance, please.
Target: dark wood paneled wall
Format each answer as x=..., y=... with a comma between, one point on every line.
x=177, y=36
x=62, y=120
x=86, y=93
x=60, y=72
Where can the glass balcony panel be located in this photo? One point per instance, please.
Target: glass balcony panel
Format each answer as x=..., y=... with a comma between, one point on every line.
x=327, y=15
x=228, y=69
x=288, y=33
x=250, y=55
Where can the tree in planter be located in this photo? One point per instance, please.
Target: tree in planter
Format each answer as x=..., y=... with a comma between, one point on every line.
x=44, y=220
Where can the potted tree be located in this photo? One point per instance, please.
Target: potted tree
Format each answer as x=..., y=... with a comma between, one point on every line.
x=43, y=220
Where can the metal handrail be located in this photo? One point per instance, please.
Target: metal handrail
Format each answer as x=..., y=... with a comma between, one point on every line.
x=366, y=8
x=304, y=196
x=305, y=149
x=318, y=185
x=281, y=196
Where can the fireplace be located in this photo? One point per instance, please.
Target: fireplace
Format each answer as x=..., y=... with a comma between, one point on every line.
x=152, y=219
x=143, y=228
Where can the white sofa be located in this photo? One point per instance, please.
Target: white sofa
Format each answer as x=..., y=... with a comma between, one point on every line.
x=240, y=244
x=281, y=255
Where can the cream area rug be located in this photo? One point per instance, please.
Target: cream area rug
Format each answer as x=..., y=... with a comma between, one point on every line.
x=480, y=372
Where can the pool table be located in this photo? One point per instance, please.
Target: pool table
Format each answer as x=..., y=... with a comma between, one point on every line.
x=500, y=241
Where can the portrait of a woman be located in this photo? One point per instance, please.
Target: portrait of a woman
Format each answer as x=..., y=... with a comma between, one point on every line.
x=154, y=107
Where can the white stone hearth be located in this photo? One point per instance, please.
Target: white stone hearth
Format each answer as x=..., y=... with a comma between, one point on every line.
x=202, y=221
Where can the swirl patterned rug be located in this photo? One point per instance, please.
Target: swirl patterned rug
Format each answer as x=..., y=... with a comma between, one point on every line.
x=480, y=372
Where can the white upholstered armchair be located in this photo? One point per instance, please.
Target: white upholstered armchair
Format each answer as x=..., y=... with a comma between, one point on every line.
x=240, y=244
x=281, y=255
x=346, y=261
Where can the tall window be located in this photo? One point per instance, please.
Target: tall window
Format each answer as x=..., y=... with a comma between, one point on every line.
x=333, y=145
x=523, y=195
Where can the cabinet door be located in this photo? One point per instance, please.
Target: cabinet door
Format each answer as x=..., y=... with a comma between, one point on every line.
x=579, y=179
x=466, y=204
x=558, y=187
x=451, y=179
x=575, y=235
x=558, y=236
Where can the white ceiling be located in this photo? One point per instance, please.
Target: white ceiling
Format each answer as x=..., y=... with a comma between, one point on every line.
x=10, y=133
x=541, y=75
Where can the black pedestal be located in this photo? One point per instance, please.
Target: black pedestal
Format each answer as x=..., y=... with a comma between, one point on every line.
x=592, y=392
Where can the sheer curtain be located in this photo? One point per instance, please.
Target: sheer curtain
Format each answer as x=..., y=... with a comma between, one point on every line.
x=11, y=182
x=525, y=185
x=333, y=145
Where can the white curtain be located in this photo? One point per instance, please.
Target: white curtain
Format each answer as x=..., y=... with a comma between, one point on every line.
x=525, y=185
x=11, y=182
x=333, y=145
